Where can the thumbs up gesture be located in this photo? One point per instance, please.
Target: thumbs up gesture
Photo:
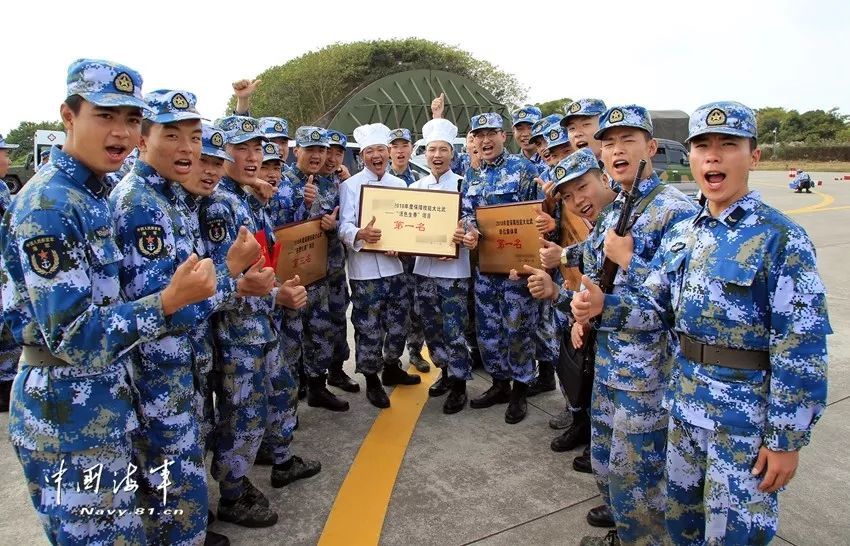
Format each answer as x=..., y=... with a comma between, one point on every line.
x=543, y=222
x=550, y=254
x=193, y=281
x=292, y=294
x=244, y=251
x=540, y=284
x=588, y=303
x=457, y=236
x=257, y=281
x=310, y=192
x=438, y=106
x=369, y=234
x=329, y=221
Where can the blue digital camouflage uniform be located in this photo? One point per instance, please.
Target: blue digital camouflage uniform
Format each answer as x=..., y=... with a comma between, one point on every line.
x=154, y=234
x=62, y=296
x=745, y=279
x=10, y=352
x=318, y=330
x=628, y=424
x=460, y=163
x=112, y=179
x=338, y=294
x=506, y=315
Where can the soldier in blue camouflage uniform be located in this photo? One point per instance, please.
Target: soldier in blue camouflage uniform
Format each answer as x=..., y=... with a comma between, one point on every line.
x=72, y=405
x=401, y=147
x=738, y=282
x=276, y=130
x=338, y=294
x=523, y=121
x=628, y=424
x=378, y=288
x=538, y=129
x=319, y=333
x=154, y=231
x=245, y=334
x=506, y=315
x=9, y=350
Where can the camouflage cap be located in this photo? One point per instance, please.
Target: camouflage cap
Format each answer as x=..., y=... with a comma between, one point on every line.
x=169, y=106
x=487, y=120
x=44, y=153
x=725, y=117
x=105, y=83
x=6, y=146
x=583, y=107
x=271, y=152
x=573, y=166
x=542, y=125
x=213, y=141
x=526, y=114
x=555, y=135
x=308, y=135
x=403, y=134
x=274, y=127
x=239, y=129
x=335, y=138
x=625, y=116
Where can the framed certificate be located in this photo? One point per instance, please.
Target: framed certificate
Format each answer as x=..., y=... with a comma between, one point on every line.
x=418, y=222
x=303, y=251
x=509, y=238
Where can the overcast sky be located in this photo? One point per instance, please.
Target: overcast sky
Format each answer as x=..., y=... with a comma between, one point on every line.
x=663, y=55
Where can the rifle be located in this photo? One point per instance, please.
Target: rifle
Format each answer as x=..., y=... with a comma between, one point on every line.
x=584, y=357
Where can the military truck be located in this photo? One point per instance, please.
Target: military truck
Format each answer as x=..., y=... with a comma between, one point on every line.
x=19, y=174
x=671, y=164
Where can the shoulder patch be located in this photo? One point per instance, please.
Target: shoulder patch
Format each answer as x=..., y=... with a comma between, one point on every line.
x=44, y=254
x=149, y=241
x=216, y=230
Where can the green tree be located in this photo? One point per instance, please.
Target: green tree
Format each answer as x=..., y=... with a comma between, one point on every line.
x=553, y=106
x=307, y=87
x=23, y=136
x=811, y=127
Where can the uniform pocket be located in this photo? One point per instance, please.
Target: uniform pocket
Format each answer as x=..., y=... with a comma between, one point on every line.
x=730, y=291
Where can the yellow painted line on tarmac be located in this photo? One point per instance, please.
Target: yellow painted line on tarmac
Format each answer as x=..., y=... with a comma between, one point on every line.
x=825, y=201
x=357, y=515
x=825, y=209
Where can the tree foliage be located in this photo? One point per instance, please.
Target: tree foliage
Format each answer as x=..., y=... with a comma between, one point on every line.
x=305, y=88
x=812, y=127
x=553, y=106
x=23, y=135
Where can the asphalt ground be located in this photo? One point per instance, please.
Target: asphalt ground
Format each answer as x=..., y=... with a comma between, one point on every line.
x=412, y=475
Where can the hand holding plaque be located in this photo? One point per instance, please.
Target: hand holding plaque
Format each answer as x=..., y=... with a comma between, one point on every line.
x=509, y=237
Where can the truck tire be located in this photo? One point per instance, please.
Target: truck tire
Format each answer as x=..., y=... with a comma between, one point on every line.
x=14, y=184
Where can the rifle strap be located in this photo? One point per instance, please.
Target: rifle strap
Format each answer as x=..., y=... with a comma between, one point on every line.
x=645, y=201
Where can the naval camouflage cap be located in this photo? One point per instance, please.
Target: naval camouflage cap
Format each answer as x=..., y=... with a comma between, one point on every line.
x=573, y=166
x=6, y=146
x=308, y=135
x=335, y=138
x=583, y=107
x=526, y=114
x=105, y=83
x=213, y=141
x=555, y=135
x=487, y=120
x=239, y=129
x=271, y=152
x=542, y=125
x=725, y=117
x=401, y=133
x=274, y=127
x=169, y=106
x=631, y=115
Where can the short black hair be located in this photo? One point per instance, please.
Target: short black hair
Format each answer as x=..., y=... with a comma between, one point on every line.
x=754, y=143
x=146, y=127
x=75, y=102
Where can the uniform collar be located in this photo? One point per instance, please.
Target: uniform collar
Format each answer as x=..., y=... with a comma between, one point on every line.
x=191, y=201
x=298, y=173
x=644, y=188
x=500, y=159
x=231, y=185
x=534, y=158
x=402, y=174
x=154, y=179
x=448, y=176
x=79, y=173
x=733, y=214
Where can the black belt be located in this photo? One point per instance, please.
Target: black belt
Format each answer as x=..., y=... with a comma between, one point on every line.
x=740, y=359
x=38, y=356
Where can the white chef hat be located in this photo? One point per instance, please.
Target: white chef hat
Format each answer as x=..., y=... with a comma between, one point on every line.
x=370, y=135
x=439, y=129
